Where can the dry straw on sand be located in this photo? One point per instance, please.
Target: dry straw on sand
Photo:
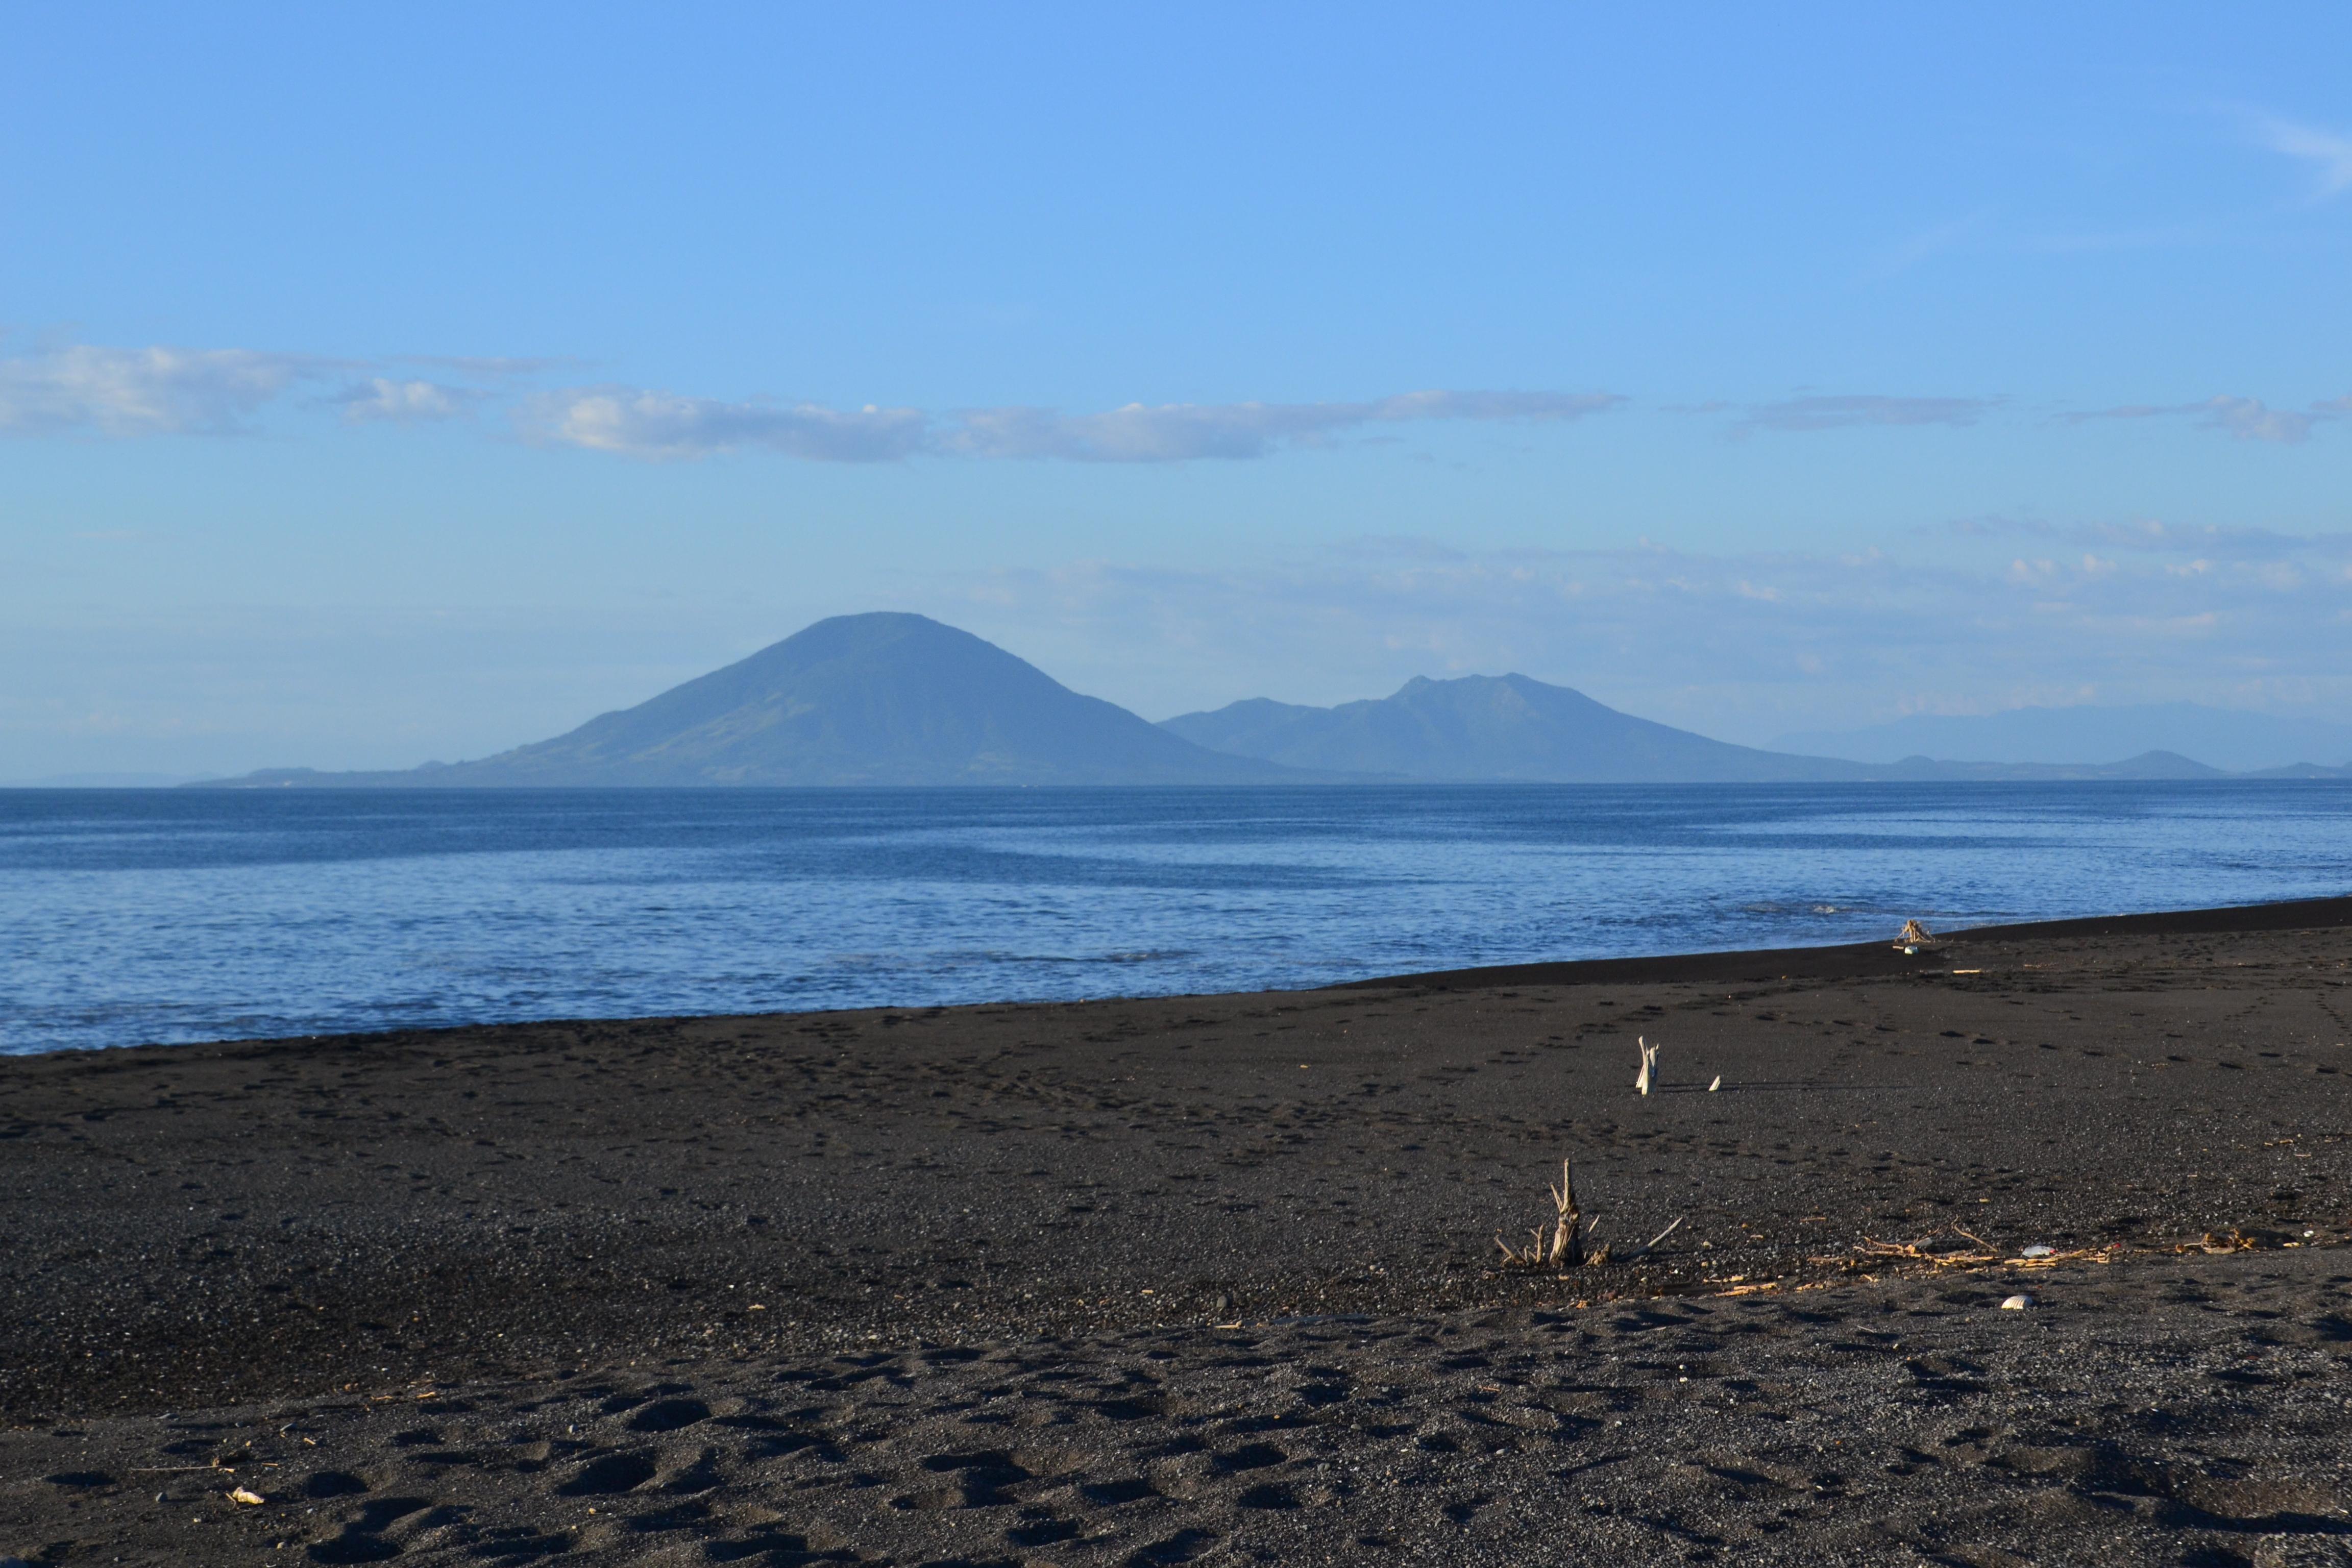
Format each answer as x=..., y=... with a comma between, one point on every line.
x=1980, y=1254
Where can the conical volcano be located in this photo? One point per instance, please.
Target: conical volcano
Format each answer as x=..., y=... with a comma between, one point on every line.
x=881, y=698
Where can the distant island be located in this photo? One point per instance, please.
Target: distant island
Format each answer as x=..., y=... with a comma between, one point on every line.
x=890, y=698
x=2228, y=738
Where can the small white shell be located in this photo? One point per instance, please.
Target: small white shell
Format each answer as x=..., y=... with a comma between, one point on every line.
x=2017, y=1304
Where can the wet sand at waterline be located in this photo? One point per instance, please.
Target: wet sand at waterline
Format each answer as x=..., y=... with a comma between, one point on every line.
x=1214, y=1280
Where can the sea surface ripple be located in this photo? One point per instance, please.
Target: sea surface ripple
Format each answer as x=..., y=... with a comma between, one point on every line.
x=136, y=916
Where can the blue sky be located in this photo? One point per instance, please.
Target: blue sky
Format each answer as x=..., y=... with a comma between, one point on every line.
x=384, y=383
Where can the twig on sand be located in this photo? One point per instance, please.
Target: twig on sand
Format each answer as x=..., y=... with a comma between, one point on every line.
x=1914, y=936
x=1649, y=1060
x=1652, y=1245
x=1567, y=1247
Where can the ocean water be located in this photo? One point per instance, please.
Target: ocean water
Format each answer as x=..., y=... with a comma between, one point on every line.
x=137, y=916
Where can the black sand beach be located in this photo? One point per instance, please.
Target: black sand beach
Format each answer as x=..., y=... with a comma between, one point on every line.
x=1211, y=1280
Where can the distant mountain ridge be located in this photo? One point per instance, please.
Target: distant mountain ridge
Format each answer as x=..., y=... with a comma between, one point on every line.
x=881, y=698
x=1511, y=728
x=1482, y=727
x=900, y=700
x=2225, y=738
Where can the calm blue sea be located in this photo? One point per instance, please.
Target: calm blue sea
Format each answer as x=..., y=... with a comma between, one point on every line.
x=134, y=916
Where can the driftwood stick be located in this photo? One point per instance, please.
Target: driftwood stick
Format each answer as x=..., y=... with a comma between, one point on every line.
x=1567, y=1244
x=1652, y=1244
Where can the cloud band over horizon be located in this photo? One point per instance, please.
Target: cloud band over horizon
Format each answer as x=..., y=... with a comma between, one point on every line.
x=83, y=389
x=661, y=425
x=119, y=393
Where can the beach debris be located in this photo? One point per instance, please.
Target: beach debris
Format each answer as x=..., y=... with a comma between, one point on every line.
x=2229, y=1241
x=1651, y=1246
x=1981, y=1256
x=1914, y=936
x=246, y=1496
x=1565, y=1248
x=1570, y=1242
x=1980, y=1253
x=2016, y=1303
x=1715, y=1085
x=1649, y=1060
x=2051, y=1258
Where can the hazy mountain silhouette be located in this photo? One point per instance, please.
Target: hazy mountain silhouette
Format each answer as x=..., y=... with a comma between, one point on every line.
x=2146, y=765
x=2232, y=738
x=890, y=699
x=1487, y=727
x=876, y=698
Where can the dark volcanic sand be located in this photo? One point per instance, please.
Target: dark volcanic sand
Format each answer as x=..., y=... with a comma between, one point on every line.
x=951, y=1287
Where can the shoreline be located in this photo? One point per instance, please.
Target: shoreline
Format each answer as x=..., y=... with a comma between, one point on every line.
x=1830, y=960
x=1131, y=1281
x=1860, y=959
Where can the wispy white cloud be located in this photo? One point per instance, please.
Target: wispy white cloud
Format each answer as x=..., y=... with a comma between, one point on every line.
x=1989, y=527
x=172, y=391
x=140, y=391
x=164, y=391
x=493, y=366
x=405, y=402
x=1180, y=432
x=2152, y=537
x=2251, y=419
x=2243, y=418
x=1486, y=405
x=2328, y=152
x=1833, y=413
x=120, y=392
x=2159, y=537
x=659, y=424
